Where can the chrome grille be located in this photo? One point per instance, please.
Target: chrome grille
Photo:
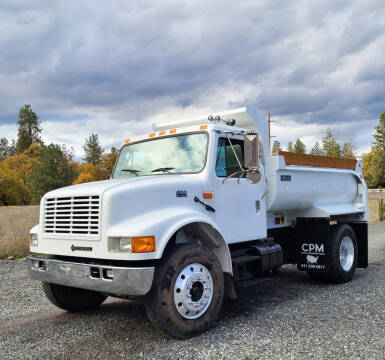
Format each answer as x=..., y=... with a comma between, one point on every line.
x=72, y=215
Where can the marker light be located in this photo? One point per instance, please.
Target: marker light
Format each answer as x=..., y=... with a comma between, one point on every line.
x=172, y=131
x=162, y=133
x=203, y=127
x=151, y=135
x=143, y=244
x=126, y=141
x=208, y=195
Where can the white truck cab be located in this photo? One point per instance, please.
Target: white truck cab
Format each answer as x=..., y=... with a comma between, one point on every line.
x=193, y=210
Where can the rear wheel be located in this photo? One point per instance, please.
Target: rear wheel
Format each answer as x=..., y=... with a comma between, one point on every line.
x=343, y=252
x=187, y=292
x=72, y=299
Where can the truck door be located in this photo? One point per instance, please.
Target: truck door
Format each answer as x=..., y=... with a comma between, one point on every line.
x=240, y=210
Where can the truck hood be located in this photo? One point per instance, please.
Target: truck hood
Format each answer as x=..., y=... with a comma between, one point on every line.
x=99, y=187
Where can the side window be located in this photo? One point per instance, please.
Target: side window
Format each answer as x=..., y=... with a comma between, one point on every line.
x=226, y=163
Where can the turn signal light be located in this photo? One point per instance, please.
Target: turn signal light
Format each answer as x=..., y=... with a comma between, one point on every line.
x=208, y=195
x=143, y=244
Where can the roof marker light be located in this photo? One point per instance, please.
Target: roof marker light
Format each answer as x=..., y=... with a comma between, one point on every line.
x=126, y=141
x=162, y=133
x=203, y=127
x=172, y=131
x=151, y=135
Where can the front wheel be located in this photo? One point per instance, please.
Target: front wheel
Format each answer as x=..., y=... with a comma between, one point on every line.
x=187, y=292
x=72, y=299
x=343, y=252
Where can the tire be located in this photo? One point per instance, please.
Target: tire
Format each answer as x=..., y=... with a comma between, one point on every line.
x=170, y=302
x=342, y=268
x=72, y=299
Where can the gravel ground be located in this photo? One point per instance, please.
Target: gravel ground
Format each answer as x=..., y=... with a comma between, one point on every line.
x=287, y=316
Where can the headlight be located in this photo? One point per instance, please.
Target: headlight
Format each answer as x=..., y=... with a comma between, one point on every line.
x=125, y=244
x=34, y=240
x=136, y=244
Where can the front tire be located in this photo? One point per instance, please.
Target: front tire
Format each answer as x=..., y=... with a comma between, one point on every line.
x=343, y=252
x=72, y=299
x=187, y=292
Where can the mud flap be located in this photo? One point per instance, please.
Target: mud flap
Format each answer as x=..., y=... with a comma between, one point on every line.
x=313, y=244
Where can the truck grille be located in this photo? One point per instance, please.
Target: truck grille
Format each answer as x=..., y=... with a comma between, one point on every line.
x=72, y=215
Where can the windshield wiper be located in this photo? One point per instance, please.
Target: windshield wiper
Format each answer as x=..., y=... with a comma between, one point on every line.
x=164, y=169
x=132, y=171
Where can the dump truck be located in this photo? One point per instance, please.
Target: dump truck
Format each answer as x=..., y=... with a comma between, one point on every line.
x=193, y=211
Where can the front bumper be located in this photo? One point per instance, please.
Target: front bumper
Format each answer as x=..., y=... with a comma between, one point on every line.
x=102, y=278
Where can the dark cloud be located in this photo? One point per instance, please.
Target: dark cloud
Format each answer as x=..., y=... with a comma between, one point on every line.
x=320, y=61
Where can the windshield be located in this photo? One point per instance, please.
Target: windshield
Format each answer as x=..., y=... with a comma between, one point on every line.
x=168, y=155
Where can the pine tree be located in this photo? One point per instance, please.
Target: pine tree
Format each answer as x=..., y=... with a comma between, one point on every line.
x=316, y=150
x=299, y=147
x=94, y=152
x=290, y=147
x=276, y=147
x=331, y=147
x=51, y=172
x=29, y=129
x=347, y=149
x=376, y=168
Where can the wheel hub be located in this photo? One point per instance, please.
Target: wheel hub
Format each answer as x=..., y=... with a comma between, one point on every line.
x=193, y=291
x=346, y=253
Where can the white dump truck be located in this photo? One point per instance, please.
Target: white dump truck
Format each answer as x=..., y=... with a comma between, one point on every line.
x=194, y=210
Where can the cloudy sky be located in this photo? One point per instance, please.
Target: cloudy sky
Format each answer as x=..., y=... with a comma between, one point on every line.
x=115, y=67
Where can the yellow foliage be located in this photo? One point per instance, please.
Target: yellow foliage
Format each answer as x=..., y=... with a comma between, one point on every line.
x=83, y=178
x=12, y=192
x=19, y=164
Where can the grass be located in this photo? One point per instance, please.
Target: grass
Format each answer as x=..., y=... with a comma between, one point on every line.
x=16, y=244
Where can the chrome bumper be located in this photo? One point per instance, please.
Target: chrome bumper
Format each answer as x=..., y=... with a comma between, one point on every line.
x=106, y=279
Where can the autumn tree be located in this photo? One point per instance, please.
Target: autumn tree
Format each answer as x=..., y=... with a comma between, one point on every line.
x=107, y=162
x=52, y=172
x=29, y=129
x=316, y=150
x=299, y=147
x=331, y=147
x=290, y=147
x=93, y=150
x=348, y=149
x=276, y=147
x=12, y=192
x=367, y=169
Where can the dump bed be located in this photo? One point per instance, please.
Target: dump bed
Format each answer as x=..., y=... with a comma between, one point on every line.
x=311, y=185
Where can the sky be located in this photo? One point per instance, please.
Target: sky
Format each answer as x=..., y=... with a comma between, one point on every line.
x=114, y=68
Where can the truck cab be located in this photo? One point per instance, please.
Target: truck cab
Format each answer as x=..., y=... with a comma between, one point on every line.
x=192, y=210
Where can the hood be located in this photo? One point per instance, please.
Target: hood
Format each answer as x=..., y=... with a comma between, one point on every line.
x=99, y=187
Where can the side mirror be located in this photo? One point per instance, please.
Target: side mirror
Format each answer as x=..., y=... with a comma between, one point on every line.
x=251, y=155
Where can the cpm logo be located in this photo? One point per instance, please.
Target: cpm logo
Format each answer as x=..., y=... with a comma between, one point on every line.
x=313, y=248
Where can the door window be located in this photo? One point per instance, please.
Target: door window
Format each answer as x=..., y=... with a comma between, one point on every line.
x=226, y=162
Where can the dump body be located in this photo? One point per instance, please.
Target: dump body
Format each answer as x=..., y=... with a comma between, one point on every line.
x=314, y=190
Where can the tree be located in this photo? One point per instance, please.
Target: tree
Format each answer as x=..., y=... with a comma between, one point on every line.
x=29, y=129
x=376, y=168
x=276, y=147
x=12, y=192
x=347, y=149
x=290, y=147
x=331, y=147
x=107, y=162
x=368, y=169
x=93, y=150
x=6, y=149
x=316, y=150
x=299, y=147
x=52, y=172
